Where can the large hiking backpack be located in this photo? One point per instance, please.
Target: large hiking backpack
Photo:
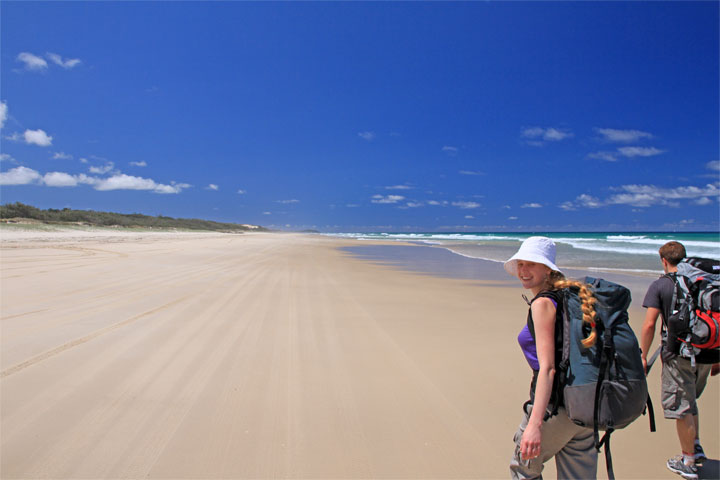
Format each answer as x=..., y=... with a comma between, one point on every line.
x=693, y=329
x=603, y=387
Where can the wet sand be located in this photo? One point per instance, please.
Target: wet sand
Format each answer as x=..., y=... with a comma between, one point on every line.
x=265, y=356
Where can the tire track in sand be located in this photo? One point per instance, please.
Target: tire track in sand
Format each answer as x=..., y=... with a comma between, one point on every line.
x=79, y=341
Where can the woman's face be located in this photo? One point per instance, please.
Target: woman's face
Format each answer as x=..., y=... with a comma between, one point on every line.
x=534, y=276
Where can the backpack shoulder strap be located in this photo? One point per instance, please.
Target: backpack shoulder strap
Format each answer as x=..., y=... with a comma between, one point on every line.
x=680, y=292
x=552, y=294
x=674, y=278
x=562, y=339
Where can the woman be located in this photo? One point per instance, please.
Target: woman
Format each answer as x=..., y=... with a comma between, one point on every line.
x=542, y=436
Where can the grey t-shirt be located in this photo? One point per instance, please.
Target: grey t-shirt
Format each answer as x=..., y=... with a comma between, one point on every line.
x=659, y=295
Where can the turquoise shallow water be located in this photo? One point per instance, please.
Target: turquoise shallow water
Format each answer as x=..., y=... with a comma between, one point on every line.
x=607, y=252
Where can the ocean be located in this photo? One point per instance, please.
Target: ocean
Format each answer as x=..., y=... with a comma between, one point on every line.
x=626, y=253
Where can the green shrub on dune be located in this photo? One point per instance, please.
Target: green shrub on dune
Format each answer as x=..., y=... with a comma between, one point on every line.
x=109, y=219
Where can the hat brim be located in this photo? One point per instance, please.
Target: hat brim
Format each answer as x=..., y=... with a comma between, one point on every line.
x=511, y=265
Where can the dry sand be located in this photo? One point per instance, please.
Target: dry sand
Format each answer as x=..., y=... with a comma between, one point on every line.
x=264, y=356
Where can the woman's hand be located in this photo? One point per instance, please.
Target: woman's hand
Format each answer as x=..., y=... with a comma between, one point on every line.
x=530, y=442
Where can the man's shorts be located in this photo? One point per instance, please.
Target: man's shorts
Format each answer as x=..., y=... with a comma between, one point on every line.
x=682, y=385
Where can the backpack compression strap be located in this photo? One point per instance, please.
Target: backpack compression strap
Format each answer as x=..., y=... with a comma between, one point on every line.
x=650, y=409
x=607, y=354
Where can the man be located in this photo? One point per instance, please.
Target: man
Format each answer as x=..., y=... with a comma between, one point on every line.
x=682, y=383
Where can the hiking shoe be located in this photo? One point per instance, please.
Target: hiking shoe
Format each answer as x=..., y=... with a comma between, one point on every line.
x=677, y=465
x=699, y=454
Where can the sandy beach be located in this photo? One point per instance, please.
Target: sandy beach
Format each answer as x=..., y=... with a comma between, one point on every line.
x=179, y=355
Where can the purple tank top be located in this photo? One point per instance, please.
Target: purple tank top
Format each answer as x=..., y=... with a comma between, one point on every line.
x=527, y=345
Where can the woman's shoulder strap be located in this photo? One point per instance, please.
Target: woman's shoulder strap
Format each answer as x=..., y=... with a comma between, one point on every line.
x=554, y=295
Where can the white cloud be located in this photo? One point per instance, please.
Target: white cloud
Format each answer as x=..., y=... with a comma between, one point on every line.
x=68, y=63
x=614, y=135
x=414, y=204
x=37, y=137
x=387, y=198
x=531, y=205
x=436, y=203
x=471, y=172
x=82, y=178
x=626, y=152
x=449, y=149
x=398, y=187
x=19, y=176
x=533, y=132
x=512, y=218
x=122, y=181
x=61, y=156
x=125, y=182
x=588, y=201
x=32, y=62
x=102, y=170
x=241, y=192
x=647, y=196
x=5, y=157
x=267, y=213
x=3, y=113
x=288, y=202
x=139, y=164
x=212, y=186
x=714, y=165
x=172, y=188
x=369, y=136
x=607, y=156
x=24, y=176
x=640, y=151
x=59, y=179
x=555, y=134
x=466, y=205
x=469, y=217
x=546, y=134
x=584, y=200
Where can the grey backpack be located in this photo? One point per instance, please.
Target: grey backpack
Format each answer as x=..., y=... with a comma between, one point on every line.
x=603, y=387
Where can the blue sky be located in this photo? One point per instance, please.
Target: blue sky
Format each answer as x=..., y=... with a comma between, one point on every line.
x=376, y=116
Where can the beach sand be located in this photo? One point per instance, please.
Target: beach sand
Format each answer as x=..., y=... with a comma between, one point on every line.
x=264, y=356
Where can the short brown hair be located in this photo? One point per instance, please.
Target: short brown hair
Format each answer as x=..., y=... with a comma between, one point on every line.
x=673, y=252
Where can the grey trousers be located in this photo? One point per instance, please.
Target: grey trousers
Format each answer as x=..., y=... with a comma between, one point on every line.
x=572, y=446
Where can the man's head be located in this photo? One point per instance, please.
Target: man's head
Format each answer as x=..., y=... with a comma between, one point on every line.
x=672, y=253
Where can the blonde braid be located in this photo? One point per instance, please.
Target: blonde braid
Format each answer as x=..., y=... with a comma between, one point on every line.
x=588, y=307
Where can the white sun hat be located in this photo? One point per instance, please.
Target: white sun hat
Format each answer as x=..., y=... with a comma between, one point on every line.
x=533, y=249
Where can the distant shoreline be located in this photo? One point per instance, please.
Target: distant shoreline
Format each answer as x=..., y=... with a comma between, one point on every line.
x=19, y=213
x=40, y=226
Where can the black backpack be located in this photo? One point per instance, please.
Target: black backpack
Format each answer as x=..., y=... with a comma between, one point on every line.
x=693, y=329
